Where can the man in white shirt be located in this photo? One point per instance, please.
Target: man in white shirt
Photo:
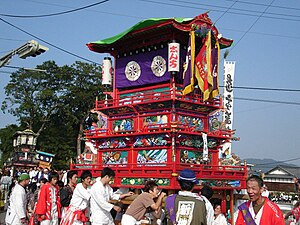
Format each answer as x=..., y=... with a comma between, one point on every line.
x=101, y=193
x=265, y=192
x=16, y=212
x=33, y=173
x=207, y=193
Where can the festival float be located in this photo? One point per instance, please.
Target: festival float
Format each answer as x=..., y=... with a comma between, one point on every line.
x=164, y=112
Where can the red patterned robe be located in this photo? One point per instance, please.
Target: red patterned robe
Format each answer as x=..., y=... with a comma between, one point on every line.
x=269, y=214
x=44, y=204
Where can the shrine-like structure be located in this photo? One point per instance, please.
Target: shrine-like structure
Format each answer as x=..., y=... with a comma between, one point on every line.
x=150, y=126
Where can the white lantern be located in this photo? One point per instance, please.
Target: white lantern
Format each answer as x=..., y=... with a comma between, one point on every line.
x=107, y=71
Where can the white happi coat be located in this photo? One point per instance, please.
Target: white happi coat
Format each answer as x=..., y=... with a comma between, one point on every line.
x=79, y=202
x=210, y=211
x=17, y=206
x=100, y=208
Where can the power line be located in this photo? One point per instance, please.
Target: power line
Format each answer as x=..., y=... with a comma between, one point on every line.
x=240, y=98
x=283, y=161
x=91, y=10
x=261, y=4
x=260, y=33
x=53, y=14
x=13, y=67
x=138, y=17
x=237, y=87
x=11, y=39
x=267, y=101
x=224, y=13
x=238, y=9
x=251, y=26
x=216, y=10
x=3, y=71
x=265, y=89
x=54, y=46
x=180, y=1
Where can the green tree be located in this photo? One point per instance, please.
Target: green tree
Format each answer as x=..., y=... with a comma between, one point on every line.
x=54, y=104
x=6, y=141
x=33, y=96
x=81, y=95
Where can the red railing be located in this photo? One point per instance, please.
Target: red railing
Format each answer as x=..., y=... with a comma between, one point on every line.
x=170, y=171
x=161, y=169
x=98, y=132
x=152, y=96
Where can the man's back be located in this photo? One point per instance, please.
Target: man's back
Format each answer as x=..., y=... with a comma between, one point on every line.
x=189, y=209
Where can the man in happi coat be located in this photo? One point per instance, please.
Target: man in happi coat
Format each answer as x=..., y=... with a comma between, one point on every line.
x=186, y=207
x=258, y=210
x=48, y=206
x=76, y=213
x=101, y=193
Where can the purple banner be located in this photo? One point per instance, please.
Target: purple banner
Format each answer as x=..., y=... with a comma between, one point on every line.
x=135, y=70
x=188, y=80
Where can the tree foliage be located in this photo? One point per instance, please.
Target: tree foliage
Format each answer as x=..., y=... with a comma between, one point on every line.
x=6, y=141
x=54, y=104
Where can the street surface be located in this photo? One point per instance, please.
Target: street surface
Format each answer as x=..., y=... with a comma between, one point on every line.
x=2, y=217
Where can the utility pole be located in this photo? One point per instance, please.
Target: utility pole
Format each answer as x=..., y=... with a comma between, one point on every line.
x=31, y=48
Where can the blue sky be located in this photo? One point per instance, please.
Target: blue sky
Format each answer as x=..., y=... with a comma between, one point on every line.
x=266, y=51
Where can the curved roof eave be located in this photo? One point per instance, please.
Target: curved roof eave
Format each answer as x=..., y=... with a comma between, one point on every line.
x=184, y=24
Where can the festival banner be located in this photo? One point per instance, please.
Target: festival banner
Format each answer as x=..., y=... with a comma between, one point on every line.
x=188, y=72
x=203, y=67
x=215, y=61
x=229, y=69
x=205, y=147
x=148, y=67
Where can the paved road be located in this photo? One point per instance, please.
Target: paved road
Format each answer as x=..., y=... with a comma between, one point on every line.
x=2, y=217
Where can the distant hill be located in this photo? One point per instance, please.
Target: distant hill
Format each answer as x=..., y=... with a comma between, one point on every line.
x=265, y=165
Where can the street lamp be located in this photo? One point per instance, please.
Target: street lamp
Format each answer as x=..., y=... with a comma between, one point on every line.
x=31, y=48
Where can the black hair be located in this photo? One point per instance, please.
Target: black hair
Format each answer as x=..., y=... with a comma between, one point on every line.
x=258, y=179
x=186, y=185
x=150, y=185
x=85, y=174
x=53, y=175
x=12, y=185
x=207, y=191
x=60, y=183
x=44, y=180
x=107, y=172
x=70, y=174
x=216, y=204
x=32, y=187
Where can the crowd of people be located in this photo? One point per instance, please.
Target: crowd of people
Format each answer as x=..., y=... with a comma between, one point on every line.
x=283, y=197
x=52, y=198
